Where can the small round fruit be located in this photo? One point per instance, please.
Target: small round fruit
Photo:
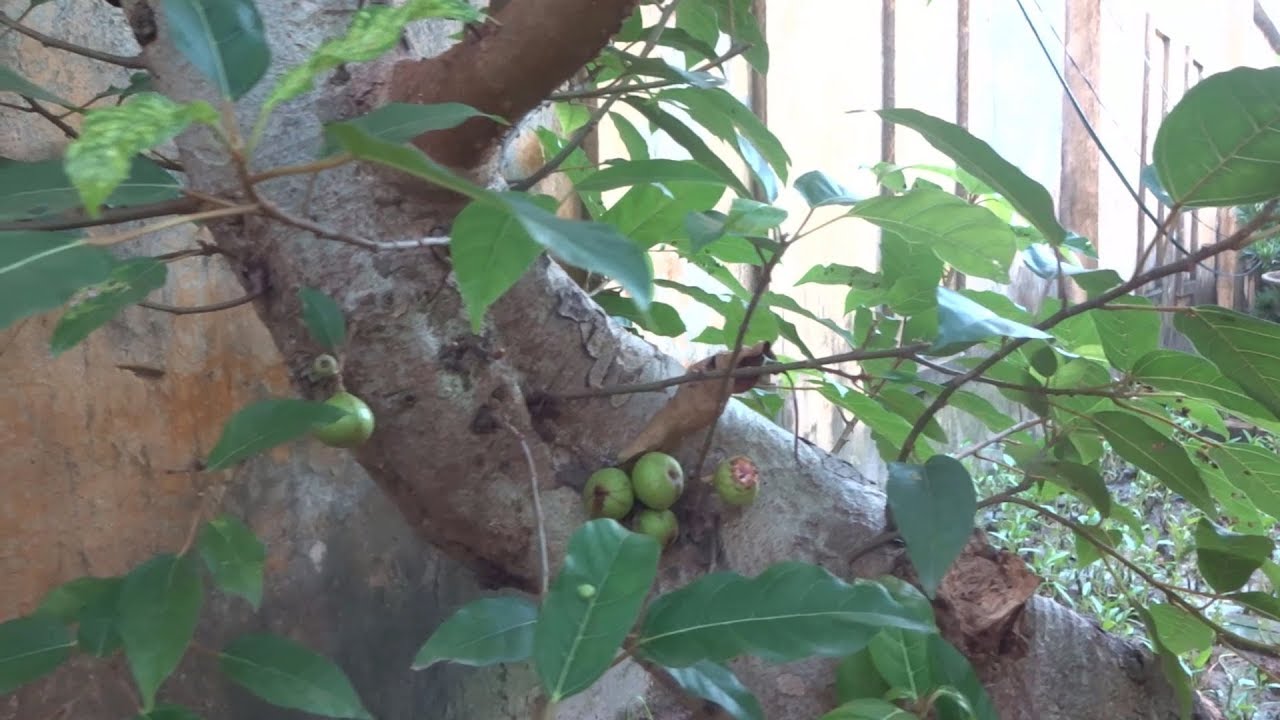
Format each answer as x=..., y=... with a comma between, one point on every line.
x=608, y=494
x=586, y=591
x=352, y=430
x=658, y=480
x=324, y=367
x=737, y=481
x=660, y=525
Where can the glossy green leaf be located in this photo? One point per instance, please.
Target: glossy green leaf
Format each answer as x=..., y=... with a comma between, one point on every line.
x=962, y=322
x=624, y=173
x=1127, y=335
x=737, y=20
x=41, y=270
x=484, y=632
x=159, y=605
x=374, y=31
x=970, y=238
x=1028, y=197
x=819, y=190
x=635, y=143
x=911, y=408
x=30, y=648
x=101, y=158
x=1220, y=143
x=490, y=251
x=12, y=81
x=234, y=556
x=869, y=709
x=325, y=321
x=934, y=506
x=911, y=272
x=689, y=140
x=948, y=666
x=788, y=612
x=41, y=189
x=1227, y=559
x=651, y=214
x=1246, y=349
x=1254, y=470
x=709, y=106
x=289, y=675
x=1180, y=631
x=1196, y=377
x=716, y=683
x=577, y=637
x=401, y=122
x=697, y=18
x=662, y=319
x=168, y=712
x=1082, y=480
x=902, y=659
x=355, y=140
x=892, y=427
x=266, y=424
x=1142, y=445
x=223, y=39
x=857, y=677
x=751, y=217
x=129, y=282
x=1170, y=666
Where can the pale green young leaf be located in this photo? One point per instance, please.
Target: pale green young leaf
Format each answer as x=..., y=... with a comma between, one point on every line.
x=41, y=270
x=289, y=675
x=482, y=633
x=129, y=282
x=159, y=605
x=100, y=159
x=223, y=39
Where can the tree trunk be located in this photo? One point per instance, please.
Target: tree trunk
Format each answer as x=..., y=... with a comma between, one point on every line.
x=441, y=394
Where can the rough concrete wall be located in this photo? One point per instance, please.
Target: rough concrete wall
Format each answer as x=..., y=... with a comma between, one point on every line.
x=91, y=458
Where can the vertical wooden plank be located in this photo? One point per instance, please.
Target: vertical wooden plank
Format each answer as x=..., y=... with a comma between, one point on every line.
x=1145, y=196
x=1080, y=156
x=888, y=90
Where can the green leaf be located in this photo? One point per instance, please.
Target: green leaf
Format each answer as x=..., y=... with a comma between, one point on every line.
x=289, y=675
x=67, y=601
x=401, y=122
x=234, y=556
x=635, y=143
x=98, y=633
x=962, y=322
x=266, y=424
x=819, y=190
x=973, y=155
x=223, y=39
x=981, y=409
x=1169, y=664
x=911, y=272
x=374, y=30
x=325, y=321
x=1220, y=143
x=752, y=217
x=738, y=21
x=651, y=214
x=42, y=189
x=869, y=709
x=1179, y=630
x=491, y=251
x=902, y=659
x=933, y=505
x=41, y=270
x=1246, y=349
x=168, y=712
x=715, y=683
x=11, y=81
x=788, y=612
x=892, y=427
x=1142, y=445
x=1196, y=377
x=857, y=677
x=130, y=282
x=1227, y=559
x=364, y=146
x=100, y=159
x=1254, y=471
x=712, y=107
x=662, y=319
x=577, y=637
x=638, y=172
x=589, y=245
x=970, y=238
x=30, y=648
x=950, y=667
x=689, y=140
x=485, y=632
x=159, y=605
x=1262, y=603
x=1127, y=335
x=1083, y=481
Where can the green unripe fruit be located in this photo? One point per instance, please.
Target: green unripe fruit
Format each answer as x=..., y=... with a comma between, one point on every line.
x=608, y=494
x=350, y=431
x=737, y=481
x=658, y=480
x=660, y=525
x=586, y=591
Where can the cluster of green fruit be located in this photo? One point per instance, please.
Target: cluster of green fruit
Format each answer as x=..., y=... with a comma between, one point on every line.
x=657, y=481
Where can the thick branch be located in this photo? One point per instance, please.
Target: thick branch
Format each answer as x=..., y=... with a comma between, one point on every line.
x=509, y=70
x=1268, y=28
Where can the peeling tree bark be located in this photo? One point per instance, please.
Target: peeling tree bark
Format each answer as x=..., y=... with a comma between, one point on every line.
x=438, y=391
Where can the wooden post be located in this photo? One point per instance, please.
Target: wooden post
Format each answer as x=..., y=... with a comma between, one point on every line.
x=1080, y=157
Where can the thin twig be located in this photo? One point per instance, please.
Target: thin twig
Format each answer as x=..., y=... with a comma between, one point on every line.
x=275, y=211
x=174, y=222
x=198, y=309
x=134, y=62
x=733, y=52
x=109, y=216
x=544, y=564
x=44, y=112
x=580, y=136
x=1233, y=242
x=998, y=437
x=303, y=169
x=742, y=372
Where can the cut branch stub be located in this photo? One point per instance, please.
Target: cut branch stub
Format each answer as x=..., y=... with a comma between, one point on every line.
x=695, y=404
